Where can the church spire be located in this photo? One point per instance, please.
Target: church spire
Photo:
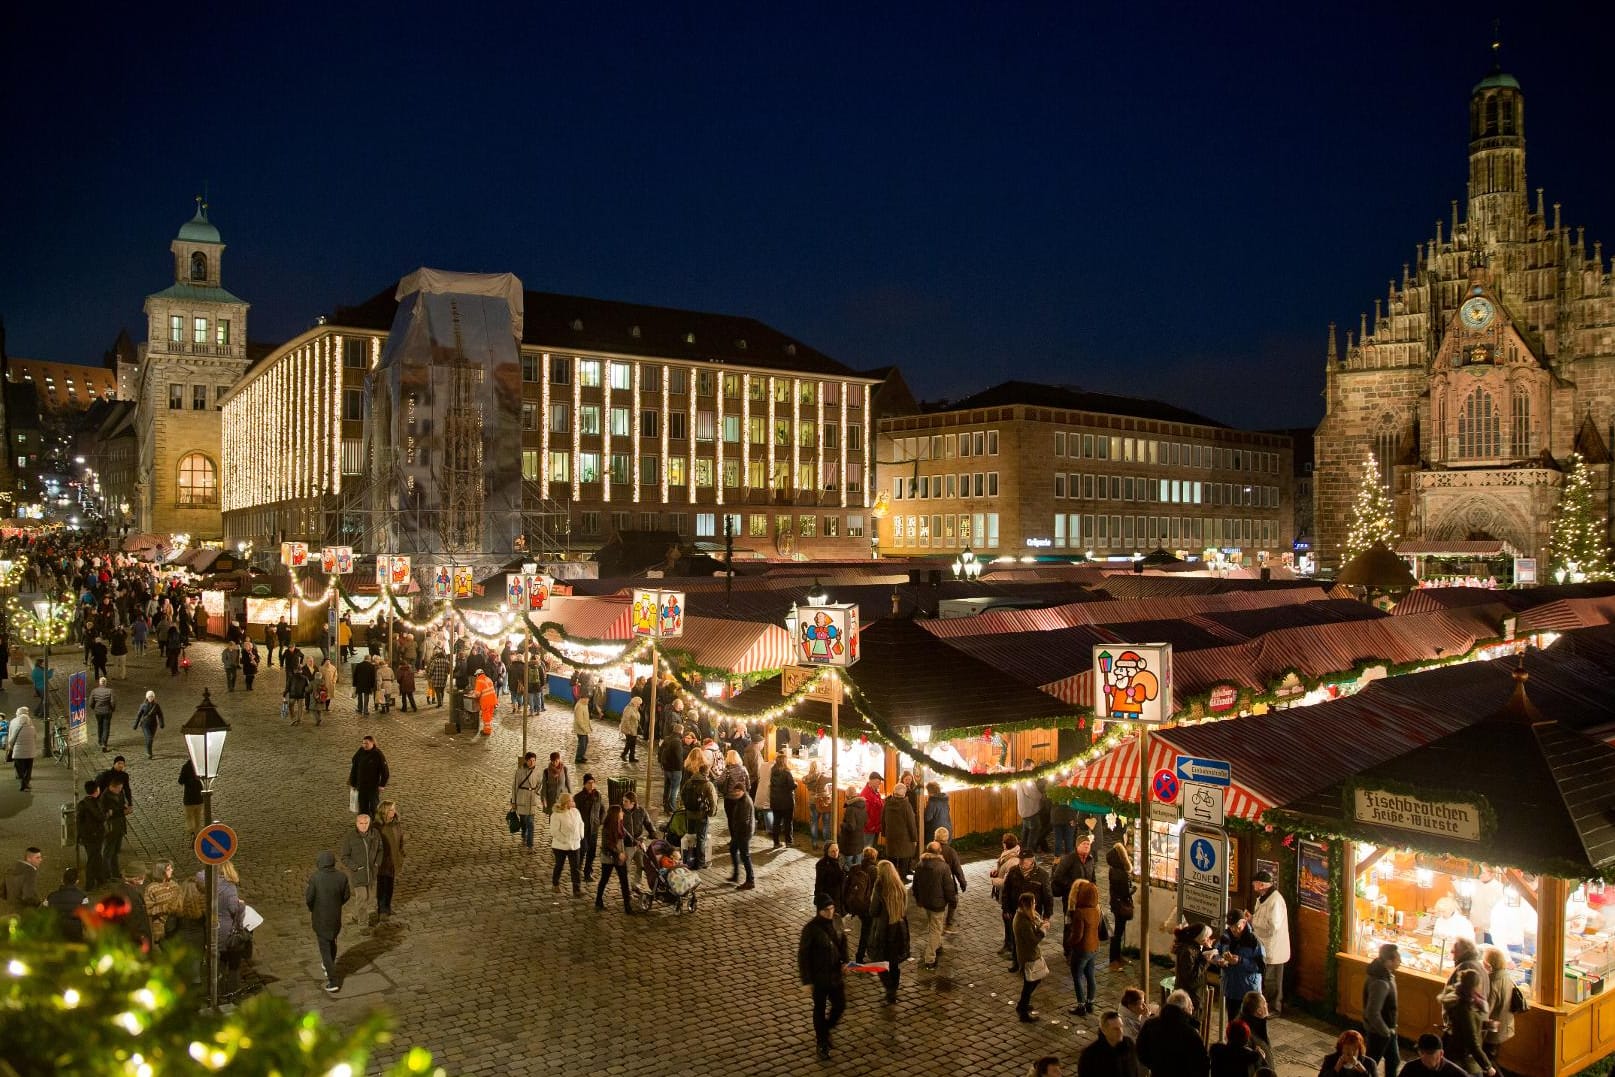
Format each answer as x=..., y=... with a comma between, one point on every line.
x=1334, y=350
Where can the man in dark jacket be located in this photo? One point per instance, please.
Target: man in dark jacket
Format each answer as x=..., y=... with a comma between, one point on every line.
x=326, y=893
x=1080, y=864
x=782, y=801
x=364, y=684
x=670, y=757
x=934, y=890
x=91, y=821
x=851, y=837
x=368, y=774
x=68, y=901
x=700, y=801
x=1170, y=1041
x=820, y=956
x=1112, y=1054
x=828, y=875
x=361, y=856
x=635, y=824
x=858, y=897
x=901, y=830
x=191, y=797
x=592, y=807
x=1026, y=877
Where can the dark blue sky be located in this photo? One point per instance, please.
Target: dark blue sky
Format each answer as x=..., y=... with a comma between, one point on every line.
x=1160, y=200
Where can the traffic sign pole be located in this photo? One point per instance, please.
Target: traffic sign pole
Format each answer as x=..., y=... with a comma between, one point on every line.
x=1143, y=859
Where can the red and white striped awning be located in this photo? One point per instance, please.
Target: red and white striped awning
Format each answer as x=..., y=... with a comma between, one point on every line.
x=739, y=647
x=1116, y=773
x=588, y=618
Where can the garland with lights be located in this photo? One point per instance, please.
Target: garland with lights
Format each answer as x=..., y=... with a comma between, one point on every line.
x=105, y=1007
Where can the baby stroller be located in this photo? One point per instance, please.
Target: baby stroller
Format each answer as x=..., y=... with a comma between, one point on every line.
x=667, y=880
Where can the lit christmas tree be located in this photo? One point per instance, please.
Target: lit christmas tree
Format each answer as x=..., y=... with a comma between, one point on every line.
x=1373, y=519
x=1576, y=545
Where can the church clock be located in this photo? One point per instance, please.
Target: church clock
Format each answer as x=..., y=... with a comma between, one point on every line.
x=1476, y=313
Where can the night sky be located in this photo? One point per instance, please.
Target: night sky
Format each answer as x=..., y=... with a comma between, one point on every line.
x=1154, y=200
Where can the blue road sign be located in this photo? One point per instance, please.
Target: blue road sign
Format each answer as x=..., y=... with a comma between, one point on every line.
x=1205, y=771
x=215, y=843
x=1203, y=855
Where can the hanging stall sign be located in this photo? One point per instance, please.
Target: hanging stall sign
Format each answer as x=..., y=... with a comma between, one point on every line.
x=442, y=582
x=294, y=554
x=1445, y=819
x=465, y=579
x=827, y=635
x=539, y=587
x=1524, y=571
x=657, y=614
x=1223, y=698
x=336, y=560
x=516, y=591
x=1132, y=682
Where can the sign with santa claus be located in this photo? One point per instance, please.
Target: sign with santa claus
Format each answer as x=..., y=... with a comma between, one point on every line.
x=1132, y=682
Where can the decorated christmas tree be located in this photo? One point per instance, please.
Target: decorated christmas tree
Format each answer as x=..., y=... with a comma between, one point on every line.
x=103, y=1006
x=1577, y=545
x=1373, y=519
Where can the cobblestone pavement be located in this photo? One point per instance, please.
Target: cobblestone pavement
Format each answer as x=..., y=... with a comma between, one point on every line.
x=486, y=966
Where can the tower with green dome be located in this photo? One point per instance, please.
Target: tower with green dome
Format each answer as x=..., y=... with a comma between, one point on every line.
x=195, y=350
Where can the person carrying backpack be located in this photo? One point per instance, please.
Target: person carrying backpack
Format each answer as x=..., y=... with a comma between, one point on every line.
x=700, y=802
x=857, y=897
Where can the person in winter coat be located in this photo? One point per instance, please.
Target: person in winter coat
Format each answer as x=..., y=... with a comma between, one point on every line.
x=732, y=782
x=556, y=780
x=437, y=675
x=614, y=845
x=850, y=838
x=888, y=930
x=119, y=639
x=628, y=726
x=1009, y=858
x=934, y=890
x=1080, y=863
x=1463, y=1016
x=900, y=829
x=1082, y=943
x=829, y=877
x=821, y=955
x=329, y=677
x=874, y=808
x=582, y=726
x=22, y=745
x=1379, y=1009
x=1029, y=806
x=951, y=857
x=164, y=902
x=1119, y=876
x=1029, y=929
x=249, y=663
x=670, y=757
x=391, y=829
x=524, y=789
x=1112, y=1054
x=1270, y=920
x=361, y=854
x=1499, y=990
x=1235, y=1057
x=782, y=801
x=938, y=813
x=404, y=675
x=1026, y=877
x=1169, y=1043
x=149, y=719
x=1350, y=1058
x=91, y=818
x=327, y=891
x=1192, y=954
x=591, y=808
x=1241, y=961
x=858, y=898
x=364, y=684
x=102, y=704
x=368, y=774
x=566, y=837
x=741, y=815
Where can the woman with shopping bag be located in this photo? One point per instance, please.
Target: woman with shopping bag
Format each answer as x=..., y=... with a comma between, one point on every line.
x=1029, y=929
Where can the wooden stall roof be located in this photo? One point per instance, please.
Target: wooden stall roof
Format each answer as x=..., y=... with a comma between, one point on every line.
x=913, y=678
x=1551, y=788
x=740, y=647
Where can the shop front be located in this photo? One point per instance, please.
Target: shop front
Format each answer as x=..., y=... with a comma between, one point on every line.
x=1500, y=833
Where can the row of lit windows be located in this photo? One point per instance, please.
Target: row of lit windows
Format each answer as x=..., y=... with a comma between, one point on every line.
x=946, y=446
x=709, y=524
x=965, y=484
x=597, y=373
x=1143, y=533
x=679, y=471
x=1167, y=491
x=199, y=330
x=946, y=530
x=1171, y=453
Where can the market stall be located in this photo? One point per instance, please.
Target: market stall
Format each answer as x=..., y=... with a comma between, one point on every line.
x=1501, y=832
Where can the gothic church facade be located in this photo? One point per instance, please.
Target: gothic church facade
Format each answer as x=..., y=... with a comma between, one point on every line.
x=1481, y=372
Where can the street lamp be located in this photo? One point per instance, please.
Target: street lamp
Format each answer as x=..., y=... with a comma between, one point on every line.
x=44, y=608
x=204, y=743
x=966, y=567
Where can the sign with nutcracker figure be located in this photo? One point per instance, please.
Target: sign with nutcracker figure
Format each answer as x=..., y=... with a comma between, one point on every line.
x=657, y=614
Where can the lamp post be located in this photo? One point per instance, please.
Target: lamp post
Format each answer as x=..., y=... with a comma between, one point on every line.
x=966, y=567
x=43, y=610
x=794, y=623
x=204, y=743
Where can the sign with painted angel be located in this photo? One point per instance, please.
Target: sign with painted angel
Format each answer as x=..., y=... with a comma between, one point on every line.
x=657, y=614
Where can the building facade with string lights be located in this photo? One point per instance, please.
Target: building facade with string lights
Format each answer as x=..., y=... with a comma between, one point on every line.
x=1485, y=366
x=460, y=415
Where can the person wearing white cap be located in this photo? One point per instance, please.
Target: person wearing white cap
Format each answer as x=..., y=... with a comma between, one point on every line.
x=1270, y=920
